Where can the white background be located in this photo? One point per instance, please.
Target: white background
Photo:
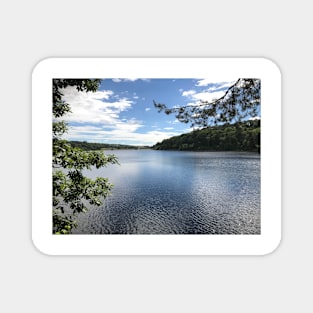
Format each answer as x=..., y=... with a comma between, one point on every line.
x=34, y=30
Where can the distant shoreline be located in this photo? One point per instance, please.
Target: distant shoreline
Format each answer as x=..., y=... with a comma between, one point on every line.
x=95, y=146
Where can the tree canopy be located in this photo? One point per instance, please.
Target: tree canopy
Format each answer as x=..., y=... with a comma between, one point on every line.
x=241, y=100
x=72, y=191
x=241, y=136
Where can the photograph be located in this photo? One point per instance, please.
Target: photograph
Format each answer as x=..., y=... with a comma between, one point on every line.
x=156, y=156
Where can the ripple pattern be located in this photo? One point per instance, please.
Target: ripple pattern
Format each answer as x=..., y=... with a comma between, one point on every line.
x=162, y=192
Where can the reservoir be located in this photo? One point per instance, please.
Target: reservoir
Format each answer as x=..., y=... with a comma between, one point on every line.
x=178, y=192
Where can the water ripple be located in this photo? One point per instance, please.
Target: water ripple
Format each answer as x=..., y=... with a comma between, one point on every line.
x=184, y=194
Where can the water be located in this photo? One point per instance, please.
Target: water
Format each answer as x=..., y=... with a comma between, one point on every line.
x=171, y=192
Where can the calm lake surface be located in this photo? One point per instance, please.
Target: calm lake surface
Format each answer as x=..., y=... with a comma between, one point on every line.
x=172, y=192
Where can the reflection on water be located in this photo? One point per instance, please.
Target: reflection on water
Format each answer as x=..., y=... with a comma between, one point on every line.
x=167, y=192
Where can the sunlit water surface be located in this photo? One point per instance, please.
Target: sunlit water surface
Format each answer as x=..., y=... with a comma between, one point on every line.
x=171, y=192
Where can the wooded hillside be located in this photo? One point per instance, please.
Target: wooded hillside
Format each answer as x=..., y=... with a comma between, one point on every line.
x=242, y=136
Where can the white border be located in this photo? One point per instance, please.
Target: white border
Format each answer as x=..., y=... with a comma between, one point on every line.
x=219, y=68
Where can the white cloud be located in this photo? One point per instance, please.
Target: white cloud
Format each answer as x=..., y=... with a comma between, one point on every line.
x=173, y=122
x=196, y=102
x=95, y=119
x=207, y=81
x=147, y=109
x=130, y=79
x=204, y=82
x=220, y=86
x=122, y=134
x=94, y=108
x=118, y=80
x=188, y=93
x=212, y=93
x=207, y=96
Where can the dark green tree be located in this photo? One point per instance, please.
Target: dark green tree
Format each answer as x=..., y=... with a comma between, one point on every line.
x=241, y=136
x=72, y=191
x=241, y=100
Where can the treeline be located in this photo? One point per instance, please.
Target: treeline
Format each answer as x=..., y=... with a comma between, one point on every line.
x=242, y=136
x=90, y=146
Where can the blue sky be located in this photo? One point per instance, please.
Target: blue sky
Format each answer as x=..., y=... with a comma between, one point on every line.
x=122, y=110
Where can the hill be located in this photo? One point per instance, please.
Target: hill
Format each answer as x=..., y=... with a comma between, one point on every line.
x=242, y=136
